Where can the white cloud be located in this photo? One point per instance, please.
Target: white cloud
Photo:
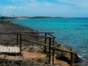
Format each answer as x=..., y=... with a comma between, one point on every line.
x=80, y=3
x=34, y=8
x=33, y=1
x=14, y=1
x=12, y=7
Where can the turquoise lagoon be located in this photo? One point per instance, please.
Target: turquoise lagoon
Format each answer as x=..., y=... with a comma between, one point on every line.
x=72, y=32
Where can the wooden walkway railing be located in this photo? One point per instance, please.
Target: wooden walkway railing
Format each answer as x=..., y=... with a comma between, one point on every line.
x=50, y=46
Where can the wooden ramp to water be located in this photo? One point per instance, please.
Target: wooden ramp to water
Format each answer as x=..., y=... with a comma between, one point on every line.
x=9, y=49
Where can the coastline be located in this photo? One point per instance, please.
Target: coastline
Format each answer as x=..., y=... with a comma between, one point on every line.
x=10, y=27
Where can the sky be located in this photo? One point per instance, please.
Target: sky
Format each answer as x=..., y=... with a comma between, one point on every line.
x=55, y=8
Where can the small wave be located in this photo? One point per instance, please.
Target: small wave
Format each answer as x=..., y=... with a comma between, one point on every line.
x=81, y=57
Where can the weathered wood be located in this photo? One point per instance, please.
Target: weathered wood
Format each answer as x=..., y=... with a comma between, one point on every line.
x=51, y=35
x=45, y=43
x=17, y=39
x=25, y=32
x=9, y=49
x=49, y=50
x=20, y=42
x=72, y=59
x=52, y=47
x=36, y=35
x=53, y=53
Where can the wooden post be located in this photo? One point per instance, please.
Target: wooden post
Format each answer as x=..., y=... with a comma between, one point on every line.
x=53, y=53
x=17, y=40
x=49, y=50
x=72, y=59
x=20, y=42
x=45, y=43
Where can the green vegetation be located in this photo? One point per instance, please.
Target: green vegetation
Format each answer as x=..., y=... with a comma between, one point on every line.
x=26, y=17
x=44, y=17
x=4, y=17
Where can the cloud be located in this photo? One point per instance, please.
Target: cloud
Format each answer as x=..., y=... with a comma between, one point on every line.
x=65, y=8
x=79, y=3
x=12, y=7
x=32, y=1
x=14, y=1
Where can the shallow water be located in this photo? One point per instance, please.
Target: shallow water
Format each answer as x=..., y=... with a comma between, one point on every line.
x=84, y=63
x=72, y=32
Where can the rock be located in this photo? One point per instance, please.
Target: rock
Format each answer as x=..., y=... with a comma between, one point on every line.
x=5, y=21
x=10, y=40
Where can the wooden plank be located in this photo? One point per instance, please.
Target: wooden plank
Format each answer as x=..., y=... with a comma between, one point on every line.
x=27, y=32
x=0, y=48
x=4, y=49
x=52, y=47
x=17, y=50
x=9, y=49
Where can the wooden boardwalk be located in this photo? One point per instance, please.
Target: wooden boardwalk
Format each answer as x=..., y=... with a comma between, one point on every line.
x=9, y=49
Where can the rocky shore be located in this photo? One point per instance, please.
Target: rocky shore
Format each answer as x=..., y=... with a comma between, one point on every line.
x=62, y=58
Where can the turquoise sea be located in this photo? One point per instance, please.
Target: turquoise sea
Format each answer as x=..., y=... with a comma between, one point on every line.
x=72, y=32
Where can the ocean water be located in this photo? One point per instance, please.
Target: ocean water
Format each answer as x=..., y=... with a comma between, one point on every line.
x=72, y=32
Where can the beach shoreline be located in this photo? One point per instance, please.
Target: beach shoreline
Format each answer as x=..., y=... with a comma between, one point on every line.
x=10, y=27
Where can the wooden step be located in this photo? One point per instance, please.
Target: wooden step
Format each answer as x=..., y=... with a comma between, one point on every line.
x=9, y=49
